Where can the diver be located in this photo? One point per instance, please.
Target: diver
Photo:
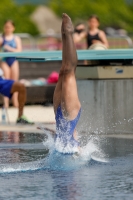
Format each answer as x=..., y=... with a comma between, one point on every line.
x=8, y=88
x=67, y=107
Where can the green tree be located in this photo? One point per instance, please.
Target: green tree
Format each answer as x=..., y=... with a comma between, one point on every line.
x=19, y=14
x=112, y=13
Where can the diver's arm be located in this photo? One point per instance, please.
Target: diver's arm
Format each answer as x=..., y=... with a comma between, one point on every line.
x=46, y=129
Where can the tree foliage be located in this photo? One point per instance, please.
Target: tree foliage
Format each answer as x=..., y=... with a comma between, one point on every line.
x=19, y=14
x=112, y=13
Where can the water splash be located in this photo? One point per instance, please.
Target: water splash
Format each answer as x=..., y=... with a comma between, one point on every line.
x=58, y=161
x=21, y=167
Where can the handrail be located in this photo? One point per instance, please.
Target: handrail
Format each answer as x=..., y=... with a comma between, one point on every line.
x=33, y=41
x=127, y=38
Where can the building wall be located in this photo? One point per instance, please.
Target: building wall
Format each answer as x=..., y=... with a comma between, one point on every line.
x=107, y=106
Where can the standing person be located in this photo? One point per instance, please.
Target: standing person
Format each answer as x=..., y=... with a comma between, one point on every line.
x=94, y=34
x=10, y=43
x=67, y=106
x=8, y=88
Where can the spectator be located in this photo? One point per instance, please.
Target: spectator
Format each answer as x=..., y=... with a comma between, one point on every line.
x=94, y=34
x=8, y=88
x=10, y=43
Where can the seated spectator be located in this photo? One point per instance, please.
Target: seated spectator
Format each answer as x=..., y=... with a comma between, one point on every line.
x=8, y=88
x=94, y=34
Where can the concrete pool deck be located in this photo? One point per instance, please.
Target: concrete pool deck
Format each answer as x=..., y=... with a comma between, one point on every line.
x=41, y=115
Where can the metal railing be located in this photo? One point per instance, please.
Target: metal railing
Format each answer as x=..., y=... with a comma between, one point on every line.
x=117, y=42
x=28, y=42
x=48, y=42
x=54, y=42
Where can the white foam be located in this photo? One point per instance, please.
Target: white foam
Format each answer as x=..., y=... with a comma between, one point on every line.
x=57, y=160
x=59, y=146
x=60, y=161
x=20, y=167
x=87, y=150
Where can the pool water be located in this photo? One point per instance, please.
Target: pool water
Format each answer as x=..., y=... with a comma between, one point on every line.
x=29, y=171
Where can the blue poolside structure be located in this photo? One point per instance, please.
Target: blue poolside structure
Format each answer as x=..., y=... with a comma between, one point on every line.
x=102, y=64
x=82, y=55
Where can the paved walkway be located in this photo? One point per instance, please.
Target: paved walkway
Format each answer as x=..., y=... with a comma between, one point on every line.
x=41, y=115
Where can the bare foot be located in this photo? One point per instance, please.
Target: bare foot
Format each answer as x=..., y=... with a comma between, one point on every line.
x=67, y=26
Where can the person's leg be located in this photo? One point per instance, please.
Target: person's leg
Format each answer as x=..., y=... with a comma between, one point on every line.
x=58, y=89
x=57, y=93
x=6, y=71
x=70, y=103
x=20, y=88
x=15, y=76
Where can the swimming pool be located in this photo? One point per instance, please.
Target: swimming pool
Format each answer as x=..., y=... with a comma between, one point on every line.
x=28, y=172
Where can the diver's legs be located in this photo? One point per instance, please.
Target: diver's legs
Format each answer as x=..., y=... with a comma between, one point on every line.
x=57, y=93
x=66, y=89
x=58, y=89
x=70, y=103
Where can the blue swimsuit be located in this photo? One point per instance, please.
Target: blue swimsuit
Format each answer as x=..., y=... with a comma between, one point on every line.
x=64, y=140
x=5, y=87
x=11, y=43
